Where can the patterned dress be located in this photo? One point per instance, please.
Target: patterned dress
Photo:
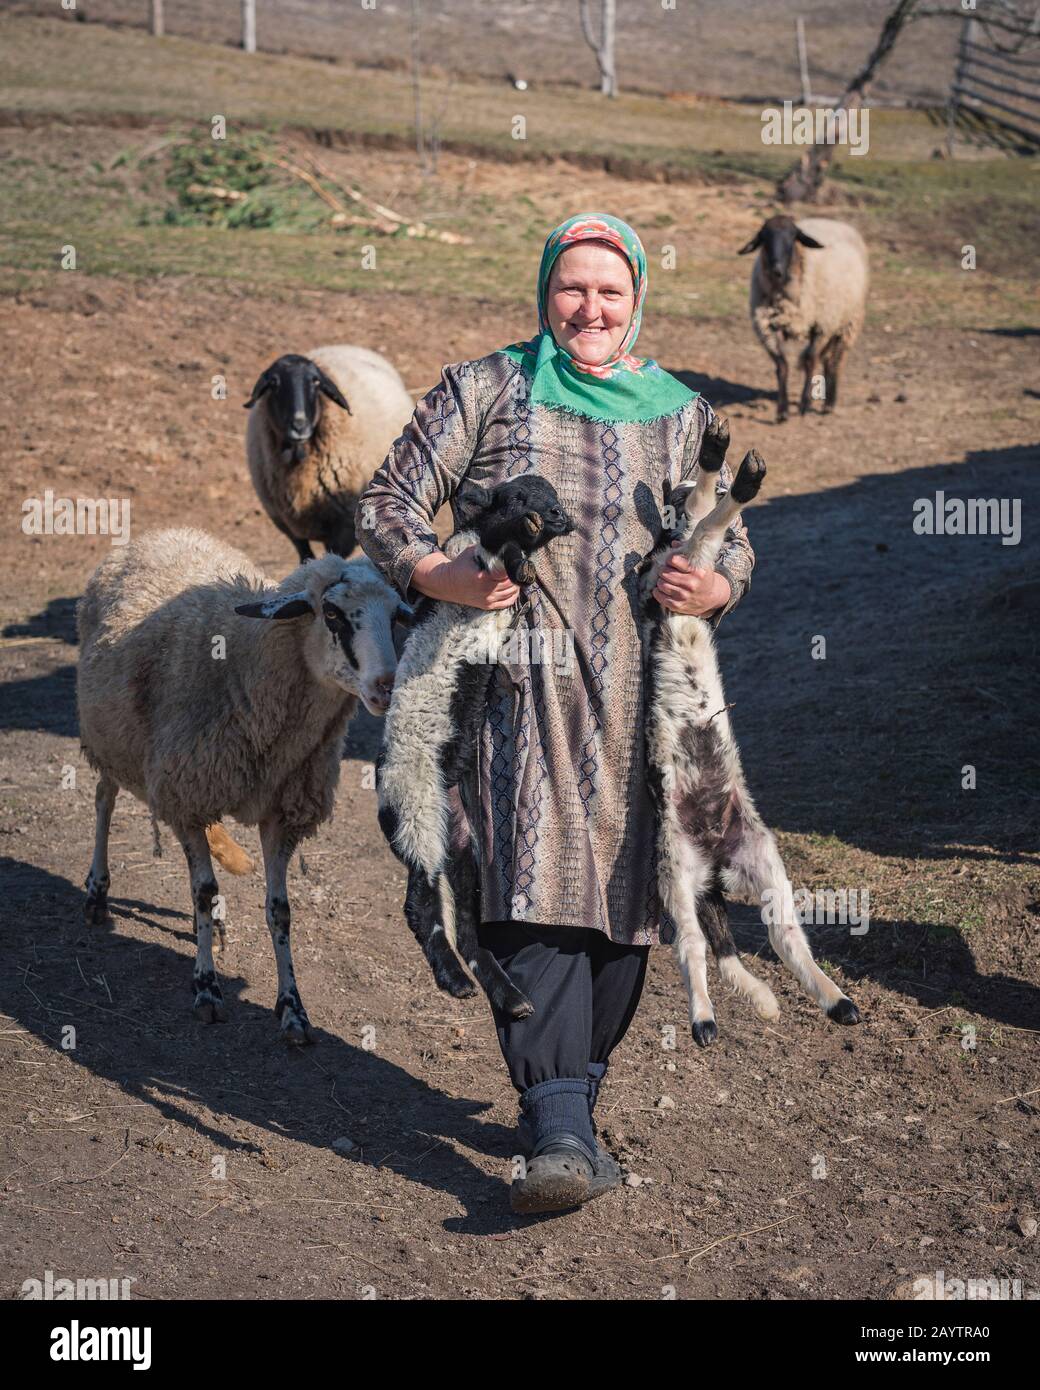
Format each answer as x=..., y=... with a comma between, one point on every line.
x=566, y=829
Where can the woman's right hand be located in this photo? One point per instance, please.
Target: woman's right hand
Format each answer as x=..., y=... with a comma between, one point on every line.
x=462, y=581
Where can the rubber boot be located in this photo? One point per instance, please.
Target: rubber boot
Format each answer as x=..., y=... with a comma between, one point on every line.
x=607, y=1174
x=563, y=1147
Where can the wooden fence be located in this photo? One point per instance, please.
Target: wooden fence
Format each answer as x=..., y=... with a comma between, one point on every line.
x=1003, y=87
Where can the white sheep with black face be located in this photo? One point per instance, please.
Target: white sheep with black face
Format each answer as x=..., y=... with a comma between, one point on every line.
x=711, y=840
x=808, y=286
x=319, y=426
x=201, y=711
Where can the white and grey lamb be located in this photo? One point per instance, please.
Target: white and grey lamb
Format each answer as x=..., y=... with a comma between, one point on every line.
x=201, y=712
x=431, y=733
x=310, y=460
x=808, y=285
x=710, y=837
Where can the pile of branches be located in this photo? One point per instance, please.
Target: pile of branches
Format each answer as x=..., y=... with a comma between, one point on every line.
x=243, y=183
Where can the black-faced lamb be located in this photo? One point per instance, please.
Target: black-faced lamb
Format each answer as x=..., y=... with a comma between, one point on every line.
x=711, y=840
x=319, y=427
x=431, y=733
x=808, y=285
x=200, y=711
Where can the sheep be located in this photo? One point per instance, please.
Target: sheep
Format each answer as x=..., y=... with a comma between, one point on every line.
x=431, y=733
x=200, y=713
x=309, y=462
x=710, y=837
x=809, y=283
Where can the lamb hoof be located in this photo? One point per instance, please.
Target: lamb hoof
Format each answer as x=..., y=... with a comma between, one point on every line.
x=459, y=987
x=844, y=1011
x=525, y=573
x=704, y=1034
x=532, y=523
x=716, y=442
x=517, y=1005
x=749, y=477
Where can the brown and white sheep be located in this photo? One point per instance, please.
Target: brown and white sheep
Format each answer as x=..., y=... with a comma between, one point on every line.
x=808, y=285
x=319, y=427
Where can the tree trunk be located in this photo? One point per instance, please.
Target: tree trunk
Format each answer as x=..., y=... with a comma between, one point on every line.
x=249, y=25
x=605, y=47
x=802, y=183
x=158, y=27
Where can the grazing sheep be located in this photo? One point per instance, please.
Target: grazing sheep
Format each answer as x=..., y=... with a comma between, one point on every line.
x=201, y=712
x=710, y=837
x=808, y=283
x=431, y=733
x=309, y=461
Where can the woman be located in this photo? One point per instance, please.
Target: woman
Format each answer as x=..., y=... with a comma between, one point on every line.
x=566, y=829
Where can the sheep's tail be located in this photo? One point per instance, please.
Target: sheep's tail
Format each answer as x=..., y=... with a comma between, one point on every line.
x=156, y=841
x=226, y=852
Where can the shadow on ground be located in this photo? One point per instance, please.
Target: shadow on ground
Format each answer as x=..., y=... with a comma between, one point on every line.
x=146, y=1040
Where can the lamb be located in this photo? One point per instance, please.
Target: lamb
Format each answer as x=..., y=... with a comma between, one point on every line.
x=199, y=712
x=710, y=837
x=308, y=461
x=431, y=733
x=808, y=283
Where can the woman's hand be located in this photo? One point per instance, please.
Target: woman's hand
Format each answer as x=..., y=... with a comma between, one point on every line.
x=694, y=592
x=462, y=581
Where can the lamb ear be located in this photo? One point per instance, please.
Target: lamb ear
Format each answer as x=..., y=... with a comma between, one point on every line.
x=807, y=240
x=328, y=387
x=286, y=606
x=264, y=383
x=475, y=496
x=753, y=244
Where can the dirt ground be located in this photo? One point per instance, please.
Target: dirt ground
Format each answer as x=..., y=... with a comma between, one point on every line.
x=789, y=1161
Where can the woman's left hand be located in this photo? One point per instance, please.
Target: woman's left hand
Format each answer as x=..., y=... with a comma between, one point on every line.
x=694, y=592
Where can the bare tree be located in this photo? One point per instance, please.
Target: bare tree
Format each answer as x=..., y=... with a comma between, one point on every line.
x=604, y=47
x=158, y=27
x=802, y=183
x=1016, y=17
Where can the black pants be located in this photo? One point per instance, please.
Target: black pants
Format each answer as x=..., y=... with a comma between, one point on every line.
x=584, y=987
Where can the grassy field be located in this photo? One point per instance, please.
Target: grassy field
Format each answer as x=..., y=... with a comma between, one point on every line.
x=84, y=173
x=723, y=47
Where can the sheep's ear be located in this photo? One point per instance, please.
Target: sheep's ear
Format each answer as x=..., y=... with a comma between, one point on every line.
x=265, y=382
x=328, y=387
x=807, y=240
x=475, y=496
x=288, y=606
x=753, y=244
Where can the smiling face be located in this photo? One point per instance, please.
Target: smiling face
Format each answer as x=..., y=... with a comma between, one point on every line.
x=590, y=301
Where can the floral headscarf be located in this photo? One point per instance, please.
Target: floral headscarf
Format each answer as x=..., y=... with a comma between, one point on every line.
x=625, y=387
